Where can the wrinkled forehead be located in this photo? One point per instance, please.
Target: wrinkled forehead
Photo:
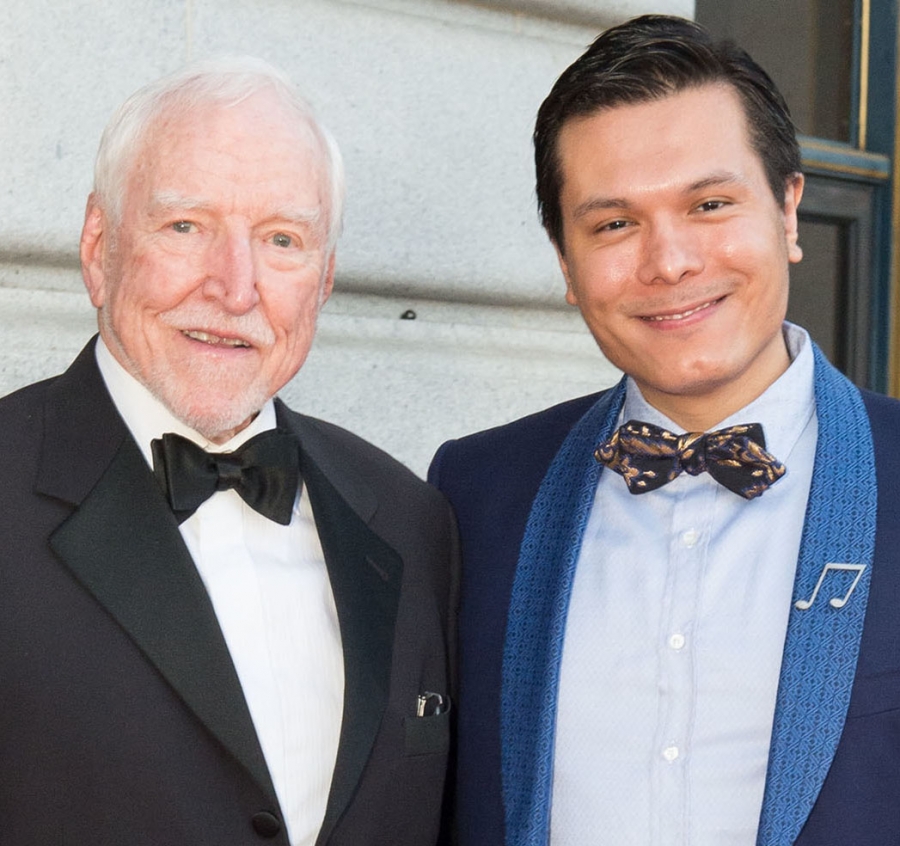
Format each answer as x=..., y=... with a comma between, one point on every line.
x=259, y=133
x=256, y=122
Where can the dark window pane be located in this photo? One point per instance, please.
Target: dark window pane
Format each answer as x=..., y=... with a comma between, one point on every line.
x=818, y=299
x=807, y=48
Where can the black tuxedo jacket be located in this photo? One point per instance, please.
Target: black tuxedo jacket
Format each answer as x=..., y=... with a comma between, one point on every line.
x=122, y=720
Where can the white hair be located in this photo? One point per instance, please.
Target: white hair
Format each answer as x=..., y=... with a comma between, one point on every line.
x=225, y=81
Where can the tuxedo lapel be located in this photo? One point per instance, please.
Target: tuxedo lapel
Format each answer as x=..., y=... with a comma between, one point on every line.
x=122, y=543
x=827, y=611
x=365, y=574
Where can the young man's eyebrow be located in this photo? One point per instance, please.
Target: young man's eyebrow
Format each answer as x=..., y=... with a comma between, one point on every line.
x=600, y=204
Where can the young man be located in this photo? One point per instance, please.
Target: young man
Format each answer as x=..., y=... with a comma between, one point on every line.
x=665, y=585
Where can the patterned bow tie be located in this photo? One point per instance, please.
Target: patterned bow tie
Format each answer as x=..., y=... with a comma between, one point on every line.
x=265, y=472
x=650, y=457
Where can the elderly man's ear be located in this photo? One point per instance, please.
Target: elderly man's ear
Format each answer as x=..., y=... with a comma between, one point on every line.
x=328, y=280
x=93, y=251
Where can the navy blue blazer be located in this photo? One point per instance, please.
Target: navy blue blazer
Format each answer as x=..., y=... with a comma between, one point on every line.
x=491, y=479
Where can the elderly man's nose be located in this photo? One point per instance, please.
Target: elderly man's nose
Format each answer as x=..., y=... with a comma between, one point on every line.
x=231, y=275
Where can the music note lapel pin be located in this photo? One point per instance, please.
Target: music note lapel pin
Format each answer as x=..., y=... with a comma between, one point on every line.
x=835, y=601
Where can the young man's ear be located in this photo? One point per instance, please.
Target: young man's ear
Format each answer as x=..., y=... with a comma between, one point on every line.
x=793, y=191
x=571, y=296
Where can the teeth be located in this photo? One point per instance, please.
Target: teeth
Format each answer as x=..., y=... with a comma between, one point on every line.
x=683, y=314
x=215, y=340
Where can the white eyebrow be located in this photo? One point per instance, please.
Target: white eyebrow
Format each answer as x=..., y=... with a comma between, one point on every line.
x=300, y=217
x=164, y=201
x=171, y=200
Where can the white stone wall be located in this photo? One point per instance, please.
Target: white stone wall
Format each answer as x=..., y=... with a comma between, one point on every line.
x=433, y=103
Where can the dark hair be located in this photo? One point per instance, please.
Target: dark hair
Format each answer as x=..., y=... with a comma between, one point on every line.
x=649, y=58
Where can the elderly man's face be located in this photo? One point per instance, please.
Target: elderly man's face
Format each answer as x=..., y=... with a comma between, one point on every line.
x=210, y=285
x=676, y=251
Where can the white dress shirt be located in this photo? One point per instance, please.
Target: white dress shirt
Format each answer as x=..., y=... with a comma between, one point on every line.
x=674, y=641
x=273, y=600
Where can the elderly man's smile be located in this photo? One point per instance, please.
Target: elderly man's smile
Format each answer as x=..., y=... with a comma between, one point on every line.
x=214, y=340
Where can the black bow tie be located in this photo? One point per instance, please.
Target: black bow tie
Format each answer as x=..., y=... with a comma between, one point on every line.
x=265, y=471
x=650, y=457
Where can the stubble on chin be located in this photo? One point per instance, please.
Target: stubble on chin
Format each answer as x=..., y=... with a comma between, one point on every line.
x=204, y=397
x=201, y=394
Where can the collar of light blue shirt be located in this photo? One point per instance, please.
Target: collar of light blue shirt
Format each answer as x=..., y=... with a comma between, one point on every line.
x=784, y=409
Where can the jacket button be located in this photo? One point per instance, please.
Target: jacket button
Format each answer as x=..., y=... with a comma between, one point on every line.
x=266, y=824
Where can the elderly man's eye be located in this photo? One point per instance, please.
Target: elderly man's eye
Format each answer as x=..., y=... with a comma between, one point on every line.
x=182, y=226
x=282, y=240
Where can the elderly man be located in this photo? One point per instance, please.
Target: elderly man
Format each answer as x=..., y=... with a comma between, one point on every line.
x=221, y=622
x=679, y=612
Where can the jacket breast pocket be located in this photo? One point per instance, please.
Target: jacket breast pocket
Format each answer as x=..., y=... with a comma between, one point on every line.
x=875, y=695
x=427, y=735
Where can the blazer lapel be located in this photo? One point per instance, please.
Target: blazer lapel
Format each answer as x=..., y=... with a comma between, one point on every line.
x=366, y=575
x=122, y=543
x=827, y=612
x=536, y=622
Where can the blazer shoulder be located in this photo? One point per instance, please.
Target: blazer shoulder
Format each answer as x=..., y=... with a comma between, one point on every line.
x=25, y=402
x=884, y=419
x=81, y=375
x=523, y=446
x=23, y=424
x=881, y=408
x=22, y=416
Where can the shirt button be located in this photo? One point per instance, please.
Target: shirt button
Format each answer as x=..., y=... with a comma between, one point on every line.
x=676, y=641
x=670, y=753
x=690, y=537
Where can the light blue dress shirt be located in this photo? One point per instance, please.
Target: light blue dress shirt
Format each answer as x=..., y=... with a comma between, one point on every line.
x=674, y=640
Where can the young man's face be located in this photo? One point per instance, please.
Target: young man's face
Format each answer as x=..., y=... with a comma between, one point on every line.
x=676, y=251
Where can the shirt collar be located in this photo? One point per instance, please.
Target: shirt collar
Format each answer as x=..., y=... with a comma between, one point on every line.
x=784, y=408
x=147, y=418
